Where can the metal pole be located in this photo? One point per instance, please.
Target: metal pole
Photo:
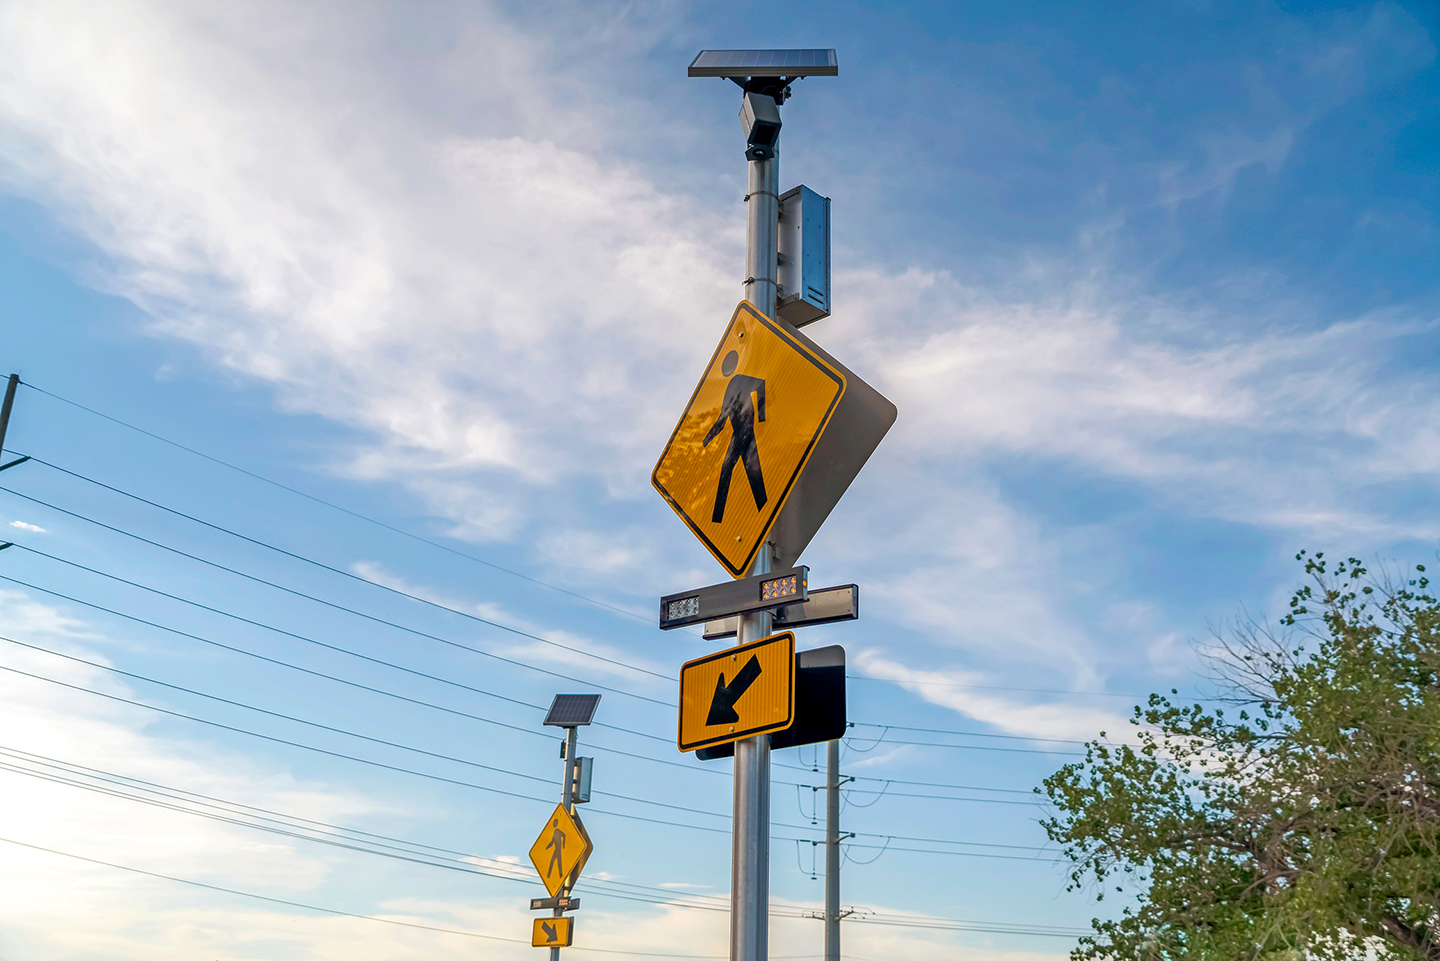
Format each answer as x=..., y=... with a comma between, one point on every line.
x=762, y=222
x=832, y=853
x=9, y=402
x=750, y=838
x=567, y=799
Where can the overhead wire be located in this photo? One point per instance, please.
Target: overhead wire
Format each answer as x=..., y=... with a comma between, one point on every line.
x=937, y=730
x=344, y=573
x=291, y=634
x=116, y=785
x=643, y=893
x=310, y=597
x=459, y=553
x=893, y=920
x=279, y=630
x=332, y=911
x=404, y=770
x=886, y=781
x=453, y=711
x=326, y=727
x=344, y=510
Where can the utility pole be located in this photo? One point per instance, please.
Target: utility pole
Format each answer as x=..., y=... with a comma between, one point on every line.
x=832, y=852
x=9, y=403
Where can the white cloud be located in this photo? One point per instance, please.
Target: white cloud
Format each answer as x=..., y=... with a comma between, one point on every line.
x=555, y=647
x=27, y=527
x=957, y=690
x=494, y=303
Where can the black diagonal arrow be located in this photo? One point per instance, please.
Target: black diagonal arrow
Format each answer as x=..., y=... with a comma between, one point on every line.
x=549, y=930
x=722, y=707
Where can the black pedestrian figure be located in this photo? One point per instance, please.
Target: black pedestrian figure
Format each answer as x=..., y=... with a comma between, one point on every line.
x=557, y=841
x=742, y=414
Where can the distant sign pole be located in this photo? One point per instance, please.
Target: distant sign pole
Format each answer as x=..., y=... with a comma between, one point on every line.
x=764, y=76
x=560, y=852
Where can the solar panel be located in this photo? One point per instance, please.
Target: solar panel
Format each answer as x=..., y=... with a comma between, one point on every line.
x=572, y=710
x=765, y=63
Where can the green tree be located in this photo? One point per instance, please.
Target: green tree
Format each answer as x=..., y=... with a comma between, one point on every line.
x=1302, y=819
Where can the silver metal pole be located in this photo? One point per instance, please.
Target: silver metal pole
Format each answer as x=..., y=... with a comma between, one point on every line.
x=832, y=852
x=566, y=798
x=750, y=838
x=762, y=222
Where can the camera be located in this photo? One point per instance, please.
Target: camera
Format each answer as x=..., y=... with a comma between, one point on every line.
x=760, y=118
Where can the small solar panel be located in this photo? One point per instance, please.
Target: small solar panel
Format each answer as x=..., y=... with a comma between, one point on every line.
x=765, y=63
x=572, y=710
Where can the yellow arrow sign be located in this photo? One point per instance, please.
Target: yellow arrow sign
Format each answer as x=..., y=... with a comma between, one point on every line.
x=738, y=693
x=561, y=849
x=552, y=933
x=754, y=420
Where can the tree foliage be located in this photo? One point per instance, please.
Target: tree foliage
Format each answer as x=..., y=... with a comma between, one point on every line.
x=1302, y=820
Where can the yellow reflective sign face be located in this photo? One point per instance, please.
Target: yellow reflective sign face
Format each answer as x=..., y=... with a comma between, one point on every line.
x=562, y=847
x=738, y=693
x=552, y=933
x=762, y=403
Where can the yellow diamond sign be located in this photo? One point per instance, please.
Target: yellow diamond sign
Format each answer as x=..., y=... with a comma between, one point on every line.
x=561, y=849
x=754, y=420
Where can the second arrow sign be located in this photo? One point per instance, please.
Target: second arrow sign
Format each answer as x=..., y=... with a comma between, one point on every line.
x=738, y=693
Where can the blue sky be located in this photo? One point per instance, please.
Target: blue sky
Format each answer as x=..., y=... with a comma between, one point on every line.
x=1153, y=287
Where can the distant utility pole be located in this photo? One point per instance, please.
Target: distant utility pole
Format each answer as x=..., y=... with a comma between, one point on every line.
x=833, y=913
x=9, y=403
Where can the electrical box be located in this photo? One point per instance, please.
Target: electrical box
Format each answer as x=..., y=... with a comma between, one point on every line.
x=804, y=248
x=580, y=790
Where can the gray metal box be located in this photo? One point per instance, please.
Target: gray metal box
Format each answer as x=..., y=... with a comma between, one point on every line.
x=804, y=247
x=584, y=771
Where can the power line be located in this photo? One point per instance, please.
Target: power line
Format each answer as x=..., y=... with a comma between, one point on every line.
x=980, y=687
x=401, y=627
x=344, y=573
x=344, y=510
x=422, y=751
x=985, y=747
x=705, y=768
x=305, y=670
x=276, y=714
x=299, y=637
x=471, y=557
x=333, y=911
x=337, y=730
x=341, y=839
x=369, y=617
x=422, y=774
x=934, y=730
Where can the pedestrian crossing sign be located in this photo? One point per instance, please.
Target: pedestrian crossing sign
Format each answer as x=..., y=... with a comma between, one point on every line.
x=562, y=848
x=755, y=418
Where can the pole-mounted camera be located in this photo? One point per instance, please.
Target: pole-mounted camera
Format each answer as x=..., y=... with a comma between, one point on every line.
x=765, y=76
x=760, y=119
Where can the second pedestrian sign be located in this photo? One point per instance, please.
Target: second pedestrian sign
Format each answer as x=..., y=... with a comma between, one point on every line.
x=560, y=852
